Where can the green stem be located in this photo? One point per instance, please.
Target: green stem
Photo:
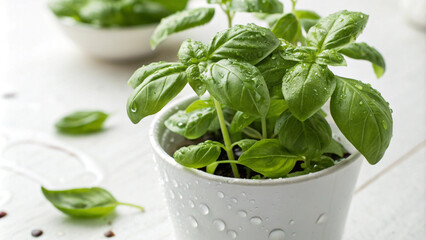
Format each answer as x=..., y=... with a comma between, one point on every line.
x=229, y=14
x=132, y=205
x=264, y=131
x=293, y=8
x=308, y=164
x=226, y=138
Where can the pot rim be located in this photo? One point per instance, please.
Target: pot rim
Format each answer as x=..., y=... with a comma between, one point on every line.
x=356, y=155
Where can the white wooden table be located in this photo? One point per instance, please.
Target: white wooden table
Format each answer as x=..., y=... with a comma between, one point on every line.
x=44, y=76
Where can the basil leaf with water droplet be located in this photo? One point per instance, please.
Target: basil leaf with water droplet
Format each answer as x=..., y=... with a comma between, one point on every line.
x=156, y=91
x=287, y=27
x=240, y=121
x=269, y=158
x=194, y=80
x=198, y=156
x=245, y=144
x=277, y=107
x=81, y=122
x=337, y=29
x=145, y=71
x=363, y=116
x=273, y=68
x=261, y=6
x=306, y=88
x=239, y=86
x=330, y=57
x=191, y=125
x=199, y=104
x=249, y=43
x=308, y=138
x=335, y=148
x=84, y=202
x=298, y=53
x=363, y=51
x=192, y=52
x=181, y=21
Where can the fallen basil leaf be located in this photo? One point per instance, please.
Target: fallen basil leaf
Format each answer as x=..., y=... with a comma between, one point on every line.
x=84, y=202
x=81, y=122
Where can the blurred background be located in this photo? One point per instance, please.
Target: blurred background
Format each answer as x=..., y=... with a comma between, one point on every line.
x=44, y=75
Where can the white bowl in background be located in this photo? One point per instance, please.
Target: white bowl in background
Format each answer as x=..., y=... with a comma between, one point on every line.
x=114, y=44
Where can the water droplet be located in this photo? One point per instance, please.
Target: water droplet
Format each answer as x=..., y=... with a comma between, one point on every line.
x=243, y=194
x=240, y=228
x=384, y=124
x=181, y=124
x=256, y=220
x=220, y=194
x=203, y=209
x=360, y=102
x=232, y=234
x=242, y=213
x=191, y=204
x=193, y=221
x=134, y=107
x=358, y=86
x=180, y=195
x=229, y=206
x=172, y=194
x=252, y=201
x=234, y=200
x=277, y=234
x=196, y=181
x=174, y=183
x=219, y=224
x=293, y=234
x=291, y=222
x=322, y=218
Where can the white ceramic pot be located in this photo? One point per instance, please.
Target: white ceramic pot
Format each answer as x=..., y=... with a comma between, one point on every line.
x=210, y=207
x=109, y=43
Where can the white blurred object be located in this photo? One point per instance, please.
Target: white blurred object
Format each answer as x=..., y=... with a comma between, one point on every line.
x=415, y=11
x=110, y=43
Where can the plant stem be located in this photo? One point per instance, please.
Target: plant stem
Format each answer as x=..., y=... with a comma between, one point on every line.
x=229, y=14
x=226, y=138
x=293, y=8
x=132, y=205
x=264, y=131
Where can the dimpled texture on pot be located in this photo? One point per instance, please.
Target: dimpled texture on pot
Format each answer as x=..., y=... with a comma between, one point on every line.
x=208, y=207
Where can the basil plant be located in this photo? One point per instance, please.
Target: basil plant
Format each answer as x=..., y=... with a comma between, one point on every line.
x=261, y=96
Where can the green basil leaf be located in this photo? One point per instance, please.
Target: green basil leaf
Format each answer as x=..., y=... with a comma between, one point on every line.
x=363, y=116
x=365, y=52
x=307, y=14
x=308, y=138
x=287, y=27
x=142, y=73
x=156, y=91
x=239, y=86
x=298, y=53
x=177, y=122
x=84, y=202
x=245, y=144
x=269, y=158
x=277, y=107
x=81, y=122
x=335, y=148
x=191, y=125
x=240, y=121
x=261, y=6
x=192, y=52
x=331, y=57
x=194, y=79
x=273, y=68
x=181, y=21
x=199, y=104
x=249, y=43
x=337, y=29
x=199, y=122
x=306, y=88
x=322, y=163
x=198, y=156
